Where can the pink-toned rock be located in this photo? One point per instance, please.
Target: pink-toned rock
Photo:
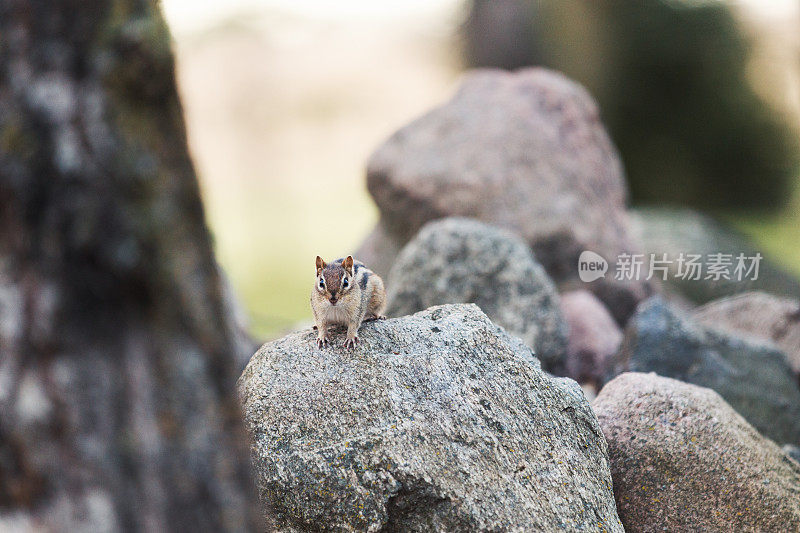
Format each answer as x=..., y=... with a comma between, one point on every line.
x=759, y=315
x=683, y=460
x=593, y=336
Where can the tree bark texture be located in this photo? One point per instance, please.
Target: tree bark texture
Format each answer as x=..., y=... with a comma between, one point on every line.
x=118, y=351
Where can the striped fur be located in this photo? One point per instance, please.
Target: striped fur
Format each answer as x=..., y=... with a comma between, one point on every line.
x=333, y=303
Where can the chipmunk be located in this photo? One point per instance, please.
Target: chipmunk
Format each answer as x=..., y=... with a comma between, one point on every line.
x=345, y=292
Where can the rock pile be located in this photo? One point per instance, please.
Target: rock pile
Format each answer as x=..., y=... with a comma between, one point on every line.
x=524, y=151
x=450, y=420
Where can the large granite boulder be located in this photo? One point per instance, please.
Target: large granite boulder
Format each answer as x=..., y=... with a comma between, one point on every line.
x=438, y=421
x=753, y=377
x=459, y=260
x=683, y=460
x=760, y=315
x=593, y=337
x=525, y=151
x=673, y=231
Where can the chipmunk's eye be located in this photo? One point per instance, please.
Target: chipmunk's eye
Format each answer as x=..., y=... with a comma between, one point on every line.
x=344, y=283
x=321, y=283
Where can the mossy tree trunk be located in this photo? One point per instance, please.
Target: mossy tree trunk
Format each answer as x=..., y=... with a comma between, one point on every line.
x=118, y=352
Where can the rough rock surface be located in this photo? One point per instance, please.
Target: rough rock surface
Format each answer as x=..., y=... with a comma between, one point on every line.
x=759, y=315
x=593, y=336
x=525, y=151
x=683, y=460
x=459, y=260
x=753, y=377
x=673, y=231
x=438, y=421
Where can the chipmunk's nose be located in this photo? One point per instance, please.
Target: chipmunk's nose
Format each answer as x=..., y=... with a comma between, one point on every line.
x=333, y=297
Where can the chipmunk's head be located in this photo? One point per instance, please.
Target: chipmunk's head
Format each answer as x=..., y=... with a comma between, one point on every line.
x=334, y=280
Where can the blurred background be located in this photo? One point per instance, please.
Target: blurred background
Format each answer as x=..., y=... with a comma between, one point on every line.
x=285, y=99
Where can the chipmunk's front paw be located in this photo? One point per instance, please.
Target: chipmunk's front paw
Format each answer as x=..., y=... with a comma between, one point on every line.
x=351, y=343
x=322, y=342
x=375, y=317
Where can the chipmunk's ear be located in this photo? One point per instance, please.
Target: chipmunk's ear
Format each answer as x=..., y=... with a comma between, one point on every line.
x=320, y=264
x=348, y=264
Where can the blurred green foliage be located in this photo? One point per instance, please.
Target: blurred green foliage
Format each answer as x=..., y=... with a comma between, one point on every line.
x=670, y=79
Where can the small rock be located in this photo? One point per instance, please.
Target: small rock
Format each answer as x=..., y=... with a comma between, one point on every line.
x=593, y=336
x=683, y=460
x=761, y=316
x=438, y=421
x=673, y=231
x=459, y=260
x=525, y=151
x=753, y=377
